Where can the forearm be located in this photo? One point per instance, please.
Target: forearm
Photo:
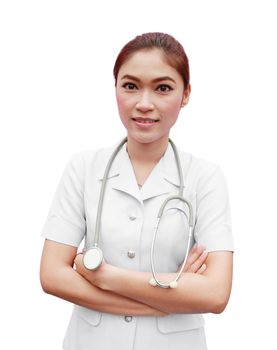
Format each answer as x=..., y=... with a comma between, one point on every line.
x=208, y=292
x=191, y=296
x=67, y=284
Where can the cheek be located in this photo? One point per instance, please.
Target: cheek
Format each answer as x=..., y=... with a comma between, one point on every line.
x=123, y=104
x=172, y=108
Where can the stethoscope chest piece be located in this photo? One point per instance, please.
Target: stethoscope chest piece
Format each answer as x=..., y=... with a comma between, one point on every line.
x=93, y=258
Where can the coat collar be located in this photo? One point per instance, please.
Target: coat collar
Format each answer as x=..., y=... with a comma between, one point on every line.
x=163, y=178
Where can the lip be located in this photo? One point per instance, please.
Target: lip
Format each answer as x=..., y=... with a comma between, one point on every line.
x=145, y=123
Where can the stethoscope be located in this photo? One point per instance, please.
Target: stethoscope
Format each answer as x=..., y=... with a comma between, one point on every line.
x=93, y=256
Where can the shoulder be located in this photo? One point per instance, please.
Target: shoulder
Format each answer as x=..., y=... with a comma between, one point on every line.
x=88, y=157
x=199, y=171
x=87, y=162
x=196, y=166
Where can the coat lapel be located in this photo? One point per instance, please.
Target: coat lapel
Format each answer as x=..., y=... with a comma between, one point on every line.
x=163, y=178
x=121, y=176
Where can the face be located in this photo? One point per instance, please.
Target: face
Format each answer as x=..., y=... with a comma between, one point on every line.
x=149, y=95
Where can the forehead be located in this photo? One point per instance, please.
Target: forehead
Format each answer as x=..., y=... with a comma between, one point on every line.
x=148, y=63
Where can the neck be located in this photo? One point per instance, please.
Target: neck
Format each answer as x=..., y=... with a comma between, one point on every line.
x=146, y=152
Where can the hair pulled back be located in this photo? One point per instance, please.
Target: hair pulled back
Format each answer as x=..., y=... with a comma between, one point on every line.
x=174, y=52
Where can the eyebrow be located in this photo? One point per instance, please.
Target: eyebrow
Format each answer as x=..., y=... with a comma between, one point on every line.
x=156, y=80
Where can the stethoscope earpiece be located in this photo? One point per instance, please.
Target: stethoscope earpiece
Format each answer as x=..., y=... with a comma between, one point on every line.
x=172, y=285
x=152, y=282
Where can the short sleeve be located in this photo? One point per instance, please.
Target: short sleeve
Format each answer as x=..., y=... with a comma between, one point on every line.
x=66, y=221
x=213, y=219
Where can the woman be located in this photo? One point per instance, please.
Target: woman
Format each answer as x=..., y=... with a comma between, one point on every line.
x=115, y=306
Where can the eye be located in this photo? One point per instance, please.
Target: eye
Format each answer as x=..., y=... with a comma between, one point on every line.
x=129, y=86
x=164, y=88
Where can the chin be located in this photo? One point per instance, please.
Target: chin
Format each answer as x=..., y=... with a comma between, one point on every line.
x=147, y=139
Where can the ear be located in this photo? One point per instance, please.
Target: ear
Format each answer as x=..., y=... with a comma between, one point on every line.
x=186, y=96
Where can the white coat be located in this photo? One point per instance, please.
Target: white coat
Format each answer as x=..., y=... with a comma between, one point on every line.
x=128, y=219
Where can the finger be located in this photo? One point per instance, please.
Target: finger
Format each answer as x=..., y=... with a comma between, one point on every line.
x=194, y=255
x=189, y=258
x=202, y=269
x=78, y=258
x=198, y=263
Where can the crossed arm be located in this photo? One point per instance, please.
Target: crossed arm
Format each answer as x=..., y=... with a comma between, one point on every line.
x=204, y=287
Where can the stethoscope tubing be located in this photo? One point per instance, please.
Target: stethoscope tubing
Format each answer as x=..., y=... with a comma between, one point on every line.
x=93, y=256
x=175, y=280
x=190, y=222
x=102, y=193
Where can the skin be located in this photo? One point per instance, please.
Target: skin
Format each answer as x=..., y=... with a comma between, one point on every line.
x=149, y=105
x=59, y=277
x=140, y=94
x=143, y=94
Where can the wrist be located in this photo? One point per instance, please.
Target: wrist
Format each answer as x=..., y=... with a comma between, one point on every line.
x=107, y=274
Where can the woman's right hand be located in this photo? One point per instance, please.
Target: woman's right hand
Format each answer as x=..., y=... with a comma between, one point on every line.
x=196, y=260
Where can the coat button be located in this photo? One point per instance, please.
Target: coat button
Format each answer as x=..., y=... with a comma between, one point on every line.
x=131, y=254
x=132, y=217
x=128, y=318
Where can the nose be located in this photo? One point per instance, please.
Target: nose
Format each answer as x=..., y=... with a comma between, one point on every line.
x=144, y=104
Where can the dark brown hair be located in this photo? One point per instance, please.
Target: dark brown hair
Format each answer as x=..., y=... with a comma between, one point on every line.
x=174, y=53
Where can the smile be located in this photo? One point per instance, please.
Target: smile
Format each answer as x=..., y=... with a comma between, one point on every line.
x=145, y=120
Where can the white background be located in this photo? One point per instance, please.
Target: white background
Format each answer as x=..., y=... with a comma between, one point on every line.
x=57, y=98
